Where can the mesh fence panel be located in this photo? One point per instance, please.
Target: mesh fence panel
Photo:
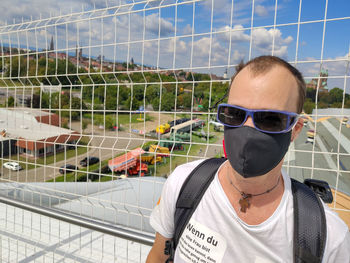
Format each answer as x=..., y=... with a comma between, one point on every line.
x=99, y=106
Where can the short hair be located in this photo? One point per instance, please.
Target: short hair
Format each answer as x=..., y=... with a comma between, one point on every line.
x=263, y=64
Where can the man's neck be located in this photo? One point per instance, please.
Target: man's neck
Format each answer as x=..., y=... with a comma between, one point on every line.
x=252, y=185
x=260, y=207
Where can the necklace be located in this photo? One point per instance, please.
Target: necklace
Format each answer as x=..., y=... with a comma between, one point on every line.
x=244, y=200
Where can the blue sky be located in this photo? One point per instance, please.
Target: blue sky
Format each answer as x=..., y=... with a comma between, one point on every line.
x=214, y=39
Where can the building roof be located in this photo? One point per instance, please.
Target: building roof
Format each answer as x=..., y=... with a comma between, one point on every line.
x=126, y=203
x=22, y=123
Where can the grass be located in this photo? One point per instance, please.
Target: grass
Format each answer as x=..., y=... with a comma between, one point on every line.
x=121, y=119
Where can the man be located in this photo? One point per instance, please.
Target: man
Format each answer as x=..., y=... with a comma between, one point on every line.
x=246, y=214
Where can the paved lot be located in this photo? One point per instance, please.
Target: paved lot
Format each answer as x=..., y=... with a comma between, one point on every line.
x=322, y=160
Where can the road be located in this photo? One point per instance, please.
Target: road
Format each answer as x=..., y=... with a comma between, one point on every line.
x=322, y=160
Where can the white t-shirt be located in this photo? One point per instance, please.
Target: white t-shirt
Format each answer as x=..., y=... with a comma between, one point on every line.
x=216, y=234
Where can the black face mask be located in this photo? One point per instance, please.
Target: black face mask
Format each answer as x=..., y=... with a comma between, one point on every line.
x=253, y=153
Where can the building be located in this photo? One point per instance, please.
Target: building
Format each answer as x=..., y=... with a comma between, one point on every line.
x=78, y=52
x=33, y=133
x=320, y=81
x=52, y=46
x=50, y=88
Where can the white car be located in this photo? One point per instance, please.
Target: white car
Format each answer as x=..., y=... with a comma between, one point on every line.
x=12, y=166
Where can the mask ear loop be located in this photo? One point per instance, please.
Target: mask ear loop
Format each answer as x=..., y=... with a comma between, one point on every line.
x=223, y=145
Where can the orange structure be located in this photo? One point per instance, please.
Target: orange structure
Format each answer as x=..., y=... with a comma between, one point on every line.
x=129, y=163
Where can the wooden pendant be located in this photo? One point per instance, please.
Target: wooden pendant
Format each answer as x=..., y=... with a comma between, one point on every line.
x=244, y=202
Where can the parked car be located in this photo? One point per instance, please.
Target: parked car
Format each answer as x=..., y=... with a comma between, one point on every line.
x=12, y=166
x=89, y=161
x=68, y=168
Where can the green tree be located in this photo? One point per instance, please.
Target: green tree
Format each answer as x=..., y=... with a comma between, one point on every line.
x=10, y=102
x=155, y=103
x=152, y=92
x=168, y=102
x=84, y=125
x=322, y=105
x=336, y=95
x=100, y=93
x=311, y=94
x=324, y=98
x=337, y=105
x=347, y=104
x=309, y=105
x=109, y=123
x=187, y=100
x=18, y=67
x=45, y=100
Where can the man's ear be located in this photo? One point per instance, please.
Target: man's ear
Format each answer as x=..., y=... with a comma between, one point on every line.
x=297, y=129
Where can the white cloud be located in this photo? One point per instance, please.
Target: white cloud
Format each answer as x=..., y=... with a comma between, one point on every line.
x=337, y=67
x=266, y=40
x=152, y=24
x=187, y=30
x=263, y=39
x=237, y=56
x=238, y=35
x=218, y=4
x=261, y=10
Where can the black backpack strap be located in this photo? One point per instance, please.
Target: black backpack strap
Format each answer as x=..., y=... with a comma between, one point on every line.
x=310, y=229
x=191, y=193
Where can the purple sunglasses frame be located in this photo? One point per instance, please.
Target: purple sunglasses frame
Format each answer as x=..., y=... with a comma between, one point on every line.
x=250, y=113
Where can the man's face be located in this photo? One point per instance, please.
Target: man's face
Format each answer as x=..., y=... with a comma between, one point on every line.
x=276, y=89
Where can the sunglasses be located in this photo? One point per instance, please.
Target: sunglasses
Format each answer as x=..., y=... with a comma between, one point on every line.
x=268, y=121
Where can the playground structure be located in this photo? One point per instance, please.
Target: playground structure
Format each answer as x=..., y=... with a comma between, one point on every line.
x=171, y=145
x=164, y=128
x=159, y=150
x=187, y=126
x=129, y=163
x=151, y=159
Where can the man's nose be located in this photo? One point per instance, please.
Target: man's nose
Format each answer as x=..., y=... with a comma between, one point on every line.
x=249, y=122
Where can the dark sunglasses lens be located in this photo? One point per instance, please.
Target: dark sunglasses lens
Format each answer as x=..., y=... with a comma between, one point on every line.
x=231, y=116
x=271, y=121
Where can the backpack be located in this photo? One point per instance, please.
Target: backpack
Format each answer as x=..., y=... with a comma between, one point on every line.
x=310, y=230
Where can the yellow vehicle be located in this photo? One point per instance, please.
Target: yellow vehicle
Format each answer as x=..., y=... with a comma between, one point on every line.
x=151, y=159
x=345, y=120
x=161, y=151
x=164, y=128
